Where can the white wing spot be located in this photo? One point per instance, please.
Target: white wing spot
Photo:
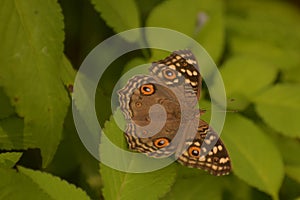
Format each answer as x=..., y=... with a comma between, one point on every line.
x=197, y=144
x=189, y=72
x=193, y=83
x=212, y=137
x=172, y=67
x=220, y=147
x=223, y=160
x=190, y=61
x=202, y=158
x=207, y=141
x=215, y=150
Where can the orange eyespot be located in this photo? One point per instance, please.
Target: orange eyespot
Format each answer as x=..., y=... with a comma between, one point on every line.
x=194, y=152
x=161, y=142
x=147, y=89
x=169, y=74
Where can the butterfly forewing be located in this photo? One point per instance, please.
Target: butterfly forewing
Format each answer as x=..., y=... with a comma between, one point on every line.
x=185, y=68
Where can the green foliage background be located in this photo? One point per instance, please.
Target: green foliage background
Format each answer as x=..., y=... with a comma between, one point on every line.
x=255, y=43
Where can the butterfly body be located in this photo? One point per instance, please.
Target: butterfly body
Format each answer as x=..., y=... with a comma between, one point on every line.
x=163, y=118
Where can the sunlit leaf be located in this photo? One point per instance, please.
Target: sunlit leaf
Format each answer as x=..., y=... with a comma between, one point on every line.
x=30, y=59
x=36, y=185
x=255, y=159
x=255, y=29
x=280, y=109
x=121, y=185
x=244, y=78
x=205, y=22
x=8, y=160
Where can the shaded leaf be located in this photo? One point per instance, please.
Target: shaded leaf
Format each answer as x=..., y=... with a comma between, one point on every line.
x=120, y=15
x=6, y=109
x=196, y=184
x=30, y=60
x=290, y=150
x=12, y=135
x=293, y=172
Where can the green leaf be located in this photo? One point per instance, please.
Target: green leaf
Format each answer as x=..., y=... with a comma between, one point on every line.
x=12, y=135
x=256, y=29
x=196, y=184
x=238, y=189
x=245, y=77
x=53, y=186
x=67, y=74
x=293, y=172
x=36, y=185
x=202, y=21
x=260, y=50
x=121, y=185
x=290, y=150
x=255, y=159
x=276, y=104
x=8, y=160
x=292, y=74
x=120, y=15
x=243, y=18
x=14, y=185
x=6, y=108
x=30, y=59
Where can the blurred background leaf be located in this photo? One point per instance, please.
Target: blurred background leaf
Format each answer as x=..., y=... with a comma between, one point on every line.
x=256, y=45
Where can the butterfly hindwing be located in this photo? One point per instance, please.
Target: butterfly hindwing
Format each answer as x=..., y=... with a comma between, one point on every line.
x=206, y=151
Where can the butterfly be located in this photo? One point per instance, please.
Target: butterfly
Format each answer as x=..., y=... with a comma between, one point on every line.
x=163, y=118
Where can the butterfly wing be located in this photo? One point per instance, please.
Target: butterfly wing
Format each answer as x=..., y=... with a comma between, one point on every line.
x=175, y=85
x=152, y=113
x=179, y=69
x=206, y=151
